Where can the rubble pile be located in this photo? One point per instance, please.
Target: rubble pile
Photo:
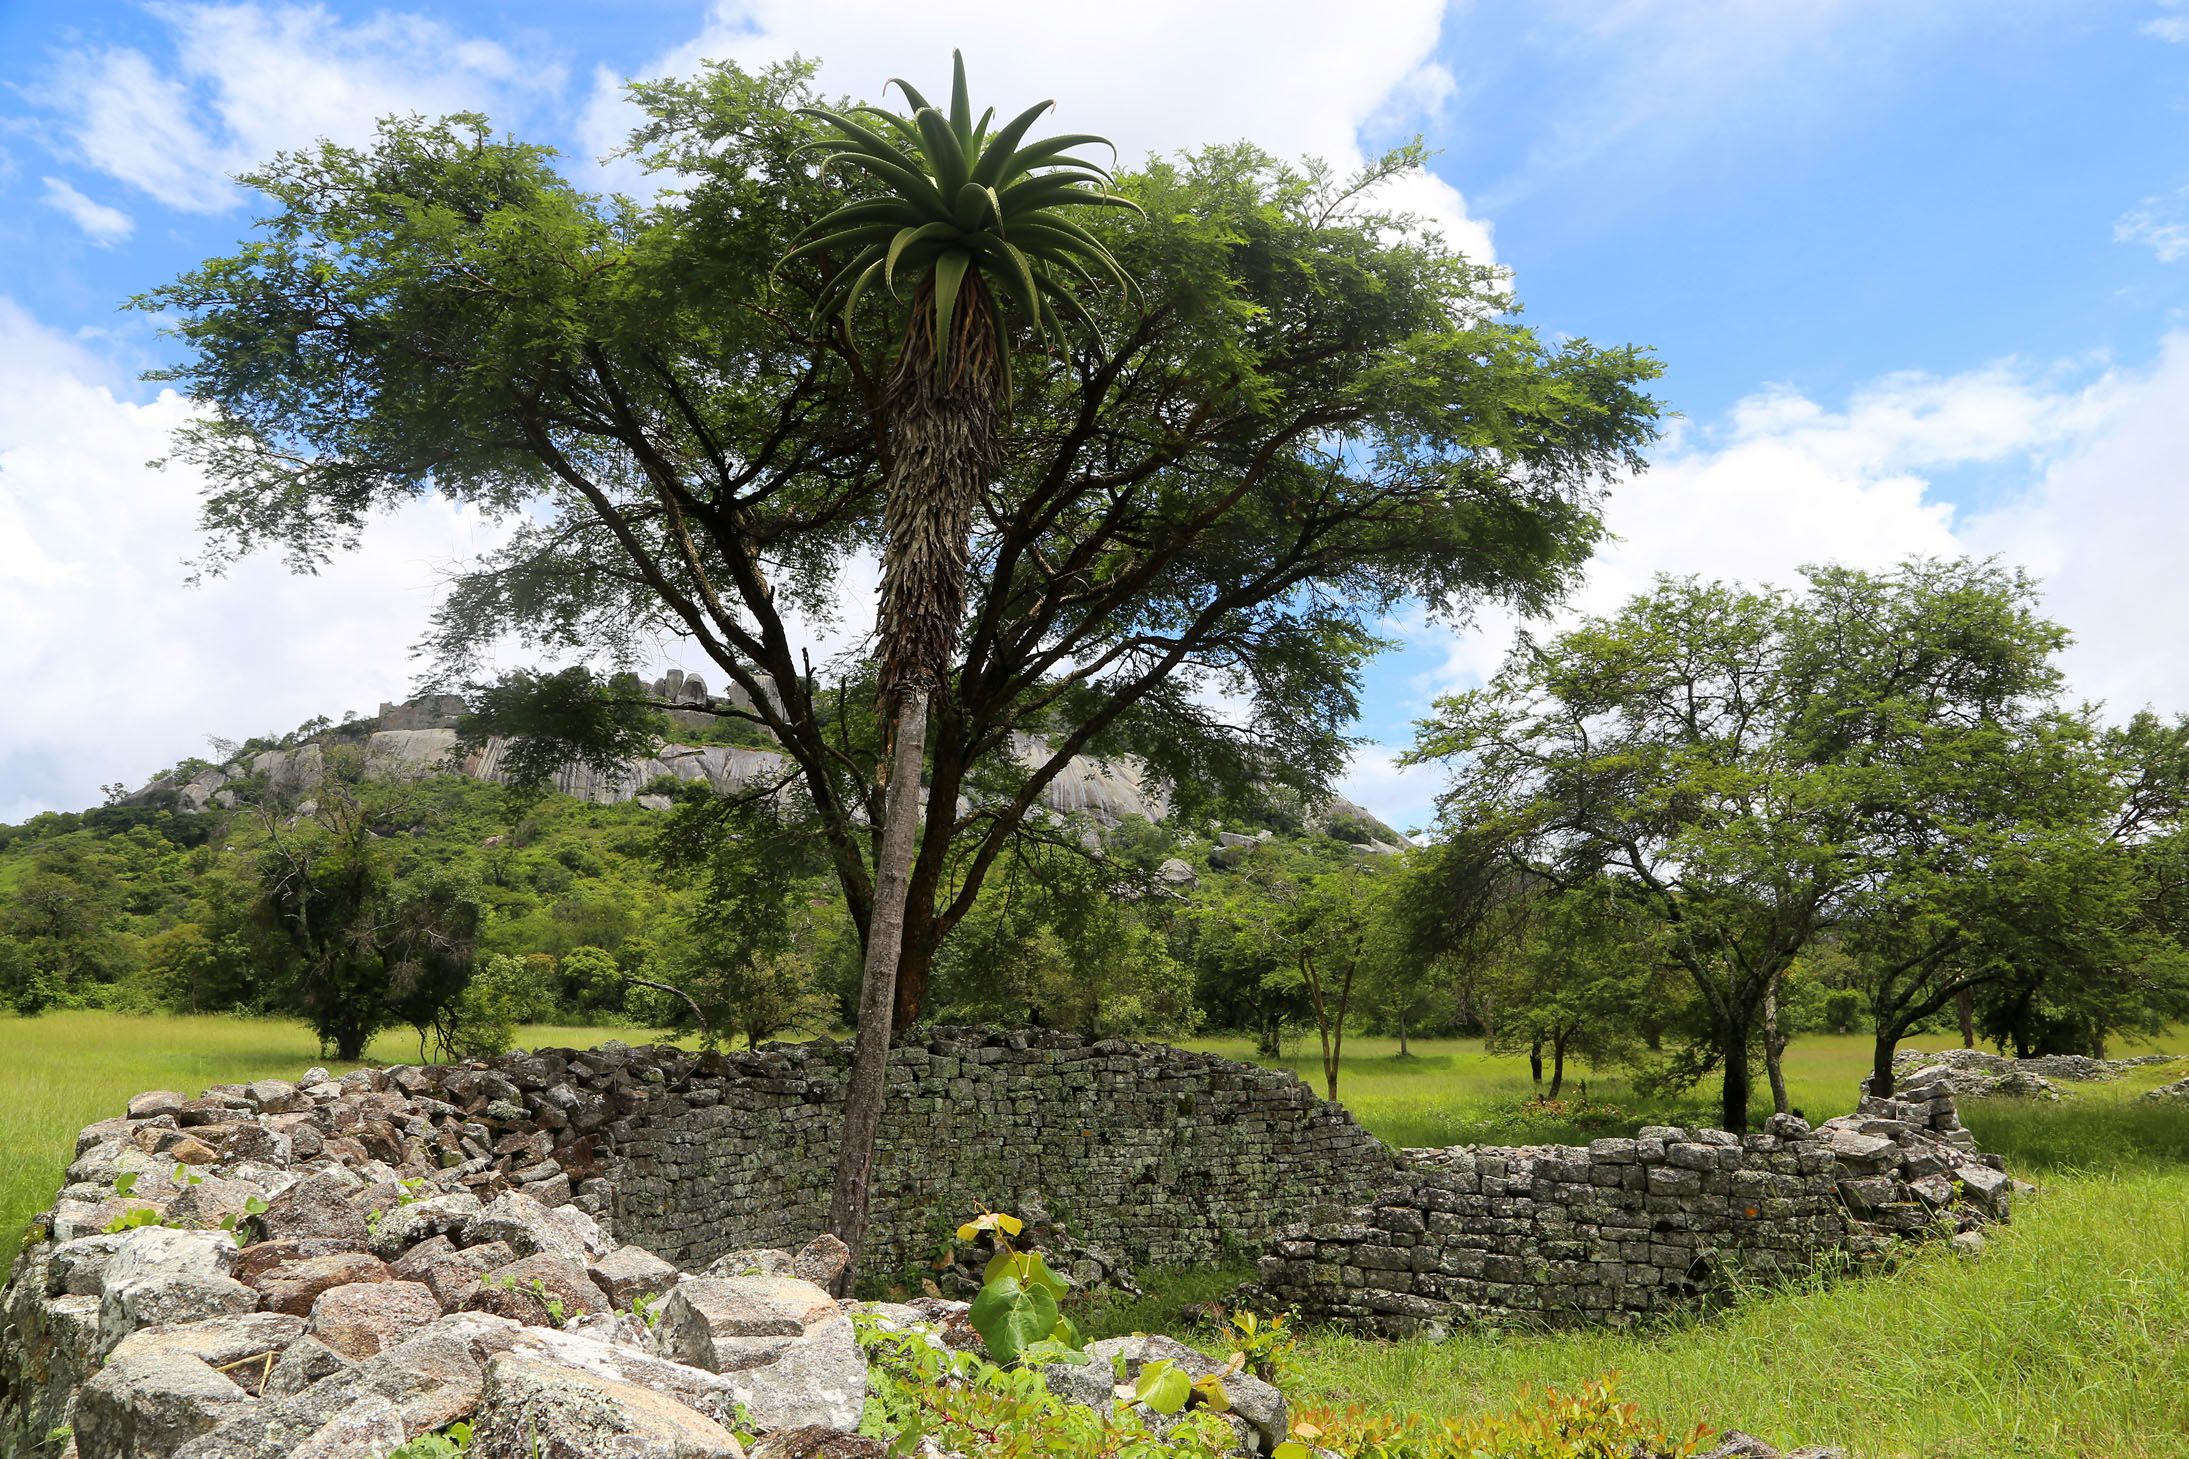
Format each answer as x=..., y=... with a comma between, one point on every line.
x=1982, y=1074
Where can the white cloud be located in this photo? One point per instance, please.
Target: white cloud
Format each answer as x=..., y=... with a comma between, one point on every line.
x=2099, y=515
x=1295, y=76
x=114, y=669
x=2104, y=526
x=2173, y=28
x=247, y=80
x=103, y=224
x=2160, y=223
x=1785, y=482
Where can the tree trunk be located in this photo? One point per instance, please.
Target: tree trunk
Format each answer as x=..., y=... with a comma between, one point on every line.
x=1558, y=1065
x=1733, y=1101
x=942, y=434
x=1881, y=1063
x=1964, y=1004
x=1535, y=1060
x=1774, y=1046
x=847, y=1215
x=1403, y=1053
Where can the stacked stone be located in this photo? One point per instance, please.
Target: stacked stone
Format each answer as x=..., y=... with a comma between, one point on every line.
x=399, y=1202
x=1561, y=1236
x=333, y=1310
x=1564, y=1235
x=1904, y=1159
x=1980, y=1073
x=1164, y=1156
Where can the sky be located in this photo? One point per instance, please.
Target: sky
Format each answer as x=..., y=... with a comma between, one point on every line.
x=1918, y=274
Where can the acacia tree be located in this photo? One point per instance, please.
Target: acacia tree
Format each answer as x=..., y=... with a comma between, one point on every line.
x=350, y=947
x=1314, y=411
x=1755, y=769
x=1568, y=980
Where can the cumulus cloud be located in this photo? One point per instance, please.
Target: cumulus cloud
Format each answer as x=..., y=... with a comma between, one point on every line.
x=102, y=224
x=1297, y=77
x=2099, y=515
x=246, y=80
x=114, y=668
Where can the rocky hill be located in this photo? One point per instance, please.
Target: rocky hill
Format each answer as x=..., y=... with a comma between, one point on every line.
x=418, y=738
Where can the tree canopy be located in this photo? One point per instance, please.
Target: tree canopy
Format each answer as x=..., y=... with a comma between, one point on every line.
x=1881, y=761
x=1312, y=410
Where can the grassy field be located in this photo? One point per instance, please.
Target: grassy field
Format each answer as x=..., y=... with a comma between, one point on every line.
x=2069, y=1338
x=61, y=1071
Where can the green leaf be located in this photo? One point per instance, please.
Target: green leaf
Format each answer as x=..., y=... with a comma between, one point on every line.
x=1011, y=1316
x=1290, y=1449
x=1163, y=1386
x=950, y=271
x=125, y=1182
x=961, y=105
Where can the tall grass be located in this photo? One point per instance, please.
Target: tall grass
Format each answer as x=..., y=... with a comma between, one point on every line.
x=2070, y=1337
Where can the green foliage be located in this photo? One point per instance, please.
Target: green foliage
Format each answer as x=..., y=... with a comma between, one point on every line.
x=1069, y=941
x=132, y=1219
x=970, y=1406
x=1587, y=1423
x=450, y=1443
x=962, y=204
x=502, y=992
x=1880, y=759
x=1315, y=411
x=354, y=946
x=1016, y=1311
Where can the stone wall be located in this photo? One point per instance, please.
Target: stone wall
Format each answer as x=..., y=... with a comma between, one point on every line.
x=1622, y=1229
x=1166, y=1156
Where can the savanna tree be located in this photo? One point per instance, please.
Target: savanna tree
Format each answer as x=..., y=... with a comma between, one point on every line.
x=1881, y=757
x=1309, y=411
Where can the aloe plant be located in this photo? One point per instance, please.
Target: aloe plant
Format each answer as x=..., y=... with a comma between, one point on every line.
x=972, y=222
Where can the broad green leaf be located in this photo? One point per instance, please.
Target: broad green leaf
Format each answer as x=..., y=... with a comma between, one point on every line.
x=1163, y=1386
x=991, y=1221
x=1011, y=1316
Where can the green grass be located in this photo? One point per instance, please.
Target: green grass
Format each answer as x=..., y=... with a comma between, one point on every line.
x=2070, y=1337
x=61, y=1071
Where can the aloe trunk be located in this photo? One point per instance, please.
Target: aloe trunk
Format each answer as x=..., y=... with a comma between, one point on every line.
x=942, y=420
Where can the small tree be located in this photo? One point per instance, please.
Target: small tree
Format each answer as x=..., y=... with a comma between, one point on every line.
x=354, y=948
x=1569, y=981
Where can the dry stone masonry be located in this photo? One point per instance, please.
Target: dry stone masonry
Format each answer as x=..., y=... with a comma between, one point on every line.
x=1624, y=1229
x=422, y=1245
x=613, y=1251
x=1166, y=1156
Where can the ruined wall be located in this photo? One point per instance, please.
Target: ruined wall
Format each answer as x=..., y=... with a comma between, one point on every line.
x=1167, y=1156
x=1622, y=1229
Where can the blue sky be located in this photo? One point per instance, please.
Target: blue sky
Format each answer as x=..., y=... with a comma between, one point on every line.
x=1917, y=272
